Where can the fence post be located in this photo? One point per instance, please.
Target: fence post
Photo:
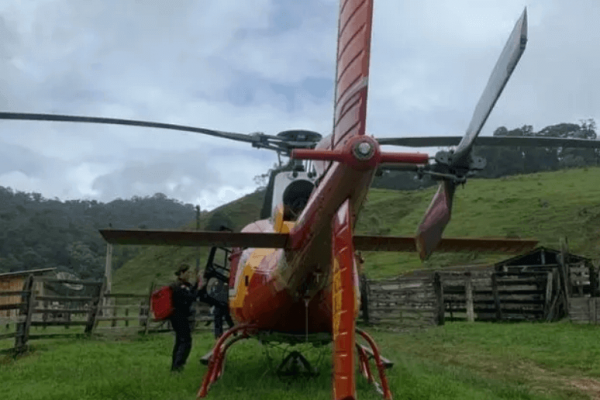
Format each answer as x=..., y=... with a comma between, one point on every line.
x=548, y=296
x=26, y=311
x=593, y=280
x=439, y=294
x=141, y=313
x=94, y=306
x=113, y=323
x=564, y=278
x=364, y=289
x=147, y=325
x=496, y=297
x=469, y=298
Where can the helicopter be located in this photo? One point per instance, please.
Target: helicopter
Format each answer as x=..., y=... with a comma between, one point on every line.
x=293, y=274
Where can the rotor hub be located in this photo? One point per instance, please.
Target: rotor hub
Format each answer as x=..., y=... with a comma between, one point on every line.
x=300, y=135
x=363, y=150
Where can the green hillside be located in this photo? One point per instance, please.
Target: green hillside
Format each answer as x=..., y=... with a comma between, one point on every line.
x=545, y=206
x=157, y=264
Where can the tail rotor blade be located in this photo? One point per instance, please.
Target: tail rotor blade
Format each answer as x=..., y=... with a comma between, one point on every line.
x=460, y=162
x=514, y=48
x=437, y=216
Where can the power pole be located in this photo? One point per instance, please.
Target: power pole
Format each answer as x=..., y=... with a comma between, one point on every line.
x=198, y=249
x=106, y=301
x=108, y=267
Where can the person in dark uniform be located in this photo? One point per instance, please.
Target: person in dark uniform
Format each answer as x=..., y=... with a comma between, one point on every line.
x=184, y=295
x=219, y=293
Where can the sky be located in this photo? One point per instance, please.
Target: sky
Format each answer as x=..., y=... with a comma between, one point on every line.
x=264, y=66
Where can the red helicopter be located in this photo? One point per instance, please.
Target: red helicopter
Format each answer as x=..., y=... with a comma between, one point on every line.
x=293, y=274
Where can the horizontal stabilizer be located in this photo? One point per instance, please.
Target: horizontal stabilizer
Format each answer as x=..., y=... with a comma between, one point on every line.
x=195, y=238
x=513, y=141
x=408, y=244
x=280, y=241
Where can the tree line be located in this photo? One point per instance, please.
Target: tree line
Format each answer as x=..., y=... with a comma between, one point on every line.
x=36, y=232
x=506, y=161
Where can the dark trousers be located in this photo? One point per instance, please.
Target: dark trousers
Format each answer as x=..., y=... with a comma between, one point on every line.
x=183, y=341
x=219, y=313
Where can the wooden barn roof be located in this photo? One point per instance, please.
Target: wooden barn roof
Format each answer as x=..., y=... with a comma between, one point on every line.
x=40, y=271
x=526, y=258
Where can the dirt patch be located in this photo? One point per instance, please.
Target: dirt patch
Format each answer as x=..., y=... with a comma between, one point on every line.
x=588, y=385
x=544, y=379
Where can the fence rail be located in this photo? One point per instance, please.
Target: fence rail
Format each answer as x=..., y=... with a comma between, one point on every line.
x=95, y=312
x=545, y=292
x=403, y=303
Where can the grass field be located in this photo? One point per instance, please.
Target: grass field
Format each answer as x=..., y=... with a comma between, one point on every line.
x=456, y=361
x=544, y=206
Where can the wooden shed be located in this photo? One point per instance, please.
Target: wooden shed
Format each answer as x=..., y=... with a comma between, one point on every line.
x=13, y=281
x=579, y=273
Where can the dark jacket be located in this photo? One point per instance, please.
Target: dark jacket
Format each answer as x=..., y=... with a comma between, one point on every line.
x=184, y=295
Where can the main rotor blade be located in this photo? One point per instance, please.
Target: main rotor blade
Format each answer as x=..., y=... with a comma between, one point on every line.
x=513, y=141
x=437, y=216
x=408, y=244
x=514, y=48
x=115, y=121
x=399, y=167
x=195, y=238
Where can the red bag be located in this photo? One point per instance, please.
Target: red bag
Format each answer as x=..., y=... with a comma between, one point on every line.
x=162, y=303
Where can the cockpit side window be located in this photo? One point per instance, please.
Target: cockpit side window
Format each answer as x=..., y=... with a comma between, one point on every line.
x=295, y=198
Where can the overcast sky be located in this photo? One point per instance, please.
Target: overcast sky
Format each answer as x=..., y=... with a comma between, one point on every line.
x=261, y=65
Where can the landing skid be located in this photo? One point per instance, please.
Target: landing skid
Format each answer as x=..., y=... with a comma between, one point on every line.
x=294, y=364
x=364, y=354
x=216, y=358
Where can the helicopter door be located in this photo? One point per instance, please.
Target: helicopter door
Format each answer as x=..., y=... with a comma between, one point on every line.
x=216, y=274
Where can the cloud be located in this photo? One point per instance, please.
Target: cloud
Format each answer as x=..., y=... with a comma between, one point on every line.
x=259, y=66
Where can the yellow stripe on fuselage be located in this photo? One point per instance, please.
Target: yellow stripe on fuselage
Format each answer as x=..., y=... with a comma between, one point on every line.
x=248, y=270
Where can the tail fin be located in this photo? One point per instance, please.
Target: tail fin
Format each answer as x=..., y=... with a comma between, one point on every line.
x=352, y=72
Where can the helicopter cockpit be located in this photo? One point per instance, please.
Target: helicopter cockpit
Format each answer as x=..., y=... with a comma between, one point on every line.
x=292, y=189
x=291, y=184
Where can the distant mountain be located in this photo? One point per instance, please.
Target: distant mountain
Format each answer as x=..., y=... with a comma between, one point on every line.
x=36, y=232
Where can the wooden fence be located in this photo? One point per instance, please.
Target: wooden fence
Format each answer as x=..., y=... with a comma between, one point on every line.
x=404, y=303
x=498, y=296
x=545, y=293
x=584, y=310
x=95, y=312
x=526, y=293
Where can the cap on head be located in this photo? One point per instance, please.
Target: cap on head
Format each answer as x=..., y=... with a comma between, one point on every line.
x=182, y=269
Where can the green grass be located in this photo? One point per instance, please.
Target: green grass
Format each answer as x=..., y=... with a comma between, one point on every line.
x=456, y=361
x=544, y=206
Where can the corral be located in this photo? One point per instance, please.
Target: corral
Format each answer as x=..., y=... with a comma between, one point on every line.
x=536, y=286
x=13, y=282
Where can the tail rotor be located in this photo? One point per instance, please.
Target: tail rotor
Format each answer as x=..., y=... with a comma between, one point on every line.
x=453, y=167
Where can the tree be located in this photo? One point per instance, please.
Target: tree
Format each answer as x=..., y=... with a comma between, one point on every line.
x=217, y=220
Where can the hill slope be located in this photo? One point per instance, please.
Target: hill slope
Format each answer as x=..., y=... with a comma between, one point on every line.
x=545, y=206
x=157, y=264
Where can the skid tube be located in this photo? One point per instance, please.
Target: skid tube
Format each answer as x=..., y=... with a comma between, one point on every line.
x=383, y=389
x=216, y=361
